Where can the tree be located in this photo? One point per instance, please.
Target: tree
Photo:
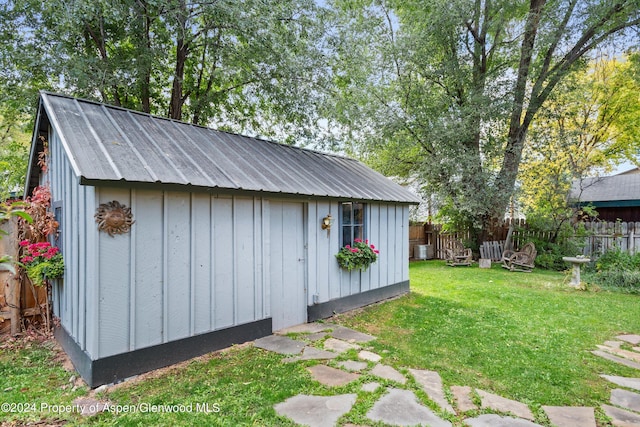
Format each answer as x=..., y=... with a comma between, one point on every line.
x=254, y=67
x=14, y=151
x=448, y=90
x=586, y=127
x=245, y=66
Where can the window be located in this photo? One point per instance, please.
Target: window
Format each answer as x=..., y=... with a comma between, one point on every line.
x=351, y=222
x=57, y=213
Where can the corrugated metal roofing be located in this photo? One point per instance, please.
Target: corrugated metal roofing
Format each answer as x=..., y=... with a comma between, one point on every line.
x=608, y=188
x=110, y=144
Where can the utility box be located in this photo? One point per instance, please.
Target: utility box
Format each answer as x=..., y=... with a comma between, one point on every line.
x=422, y=252
x=484, y=262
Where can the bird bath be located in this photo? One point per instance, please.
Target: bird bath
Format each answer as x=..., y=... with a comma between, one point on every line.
x=576, y=262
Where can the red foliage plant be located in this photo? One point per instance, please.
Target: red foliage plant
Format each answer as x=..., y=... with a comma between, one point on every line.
x=43, y=155
x=44, y=223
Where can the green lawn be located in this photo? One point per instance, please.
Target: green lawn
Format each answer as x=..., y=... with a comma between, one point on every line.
x=525, y=336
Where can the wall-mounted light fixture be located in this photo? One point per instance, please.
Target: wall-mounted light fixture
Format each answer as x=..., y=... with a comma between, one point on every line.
x=327, y=221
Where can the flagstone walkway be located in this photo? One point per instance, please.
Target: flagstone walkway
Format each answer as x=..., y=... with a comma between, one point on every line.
x=399, y=406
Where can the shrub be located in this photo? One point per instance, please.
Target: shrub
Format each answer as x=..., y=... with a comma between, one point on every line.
x=617, y=259
x=627, y=281
x=564, y=241
x=615, y=269
x=550, y=253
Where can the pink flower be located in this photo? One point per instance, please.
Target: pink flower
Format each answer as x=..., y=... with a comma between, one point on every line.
x=50, y=252
x=355, y=250
x=348, y=246
x=357, y=240
x=26, y=259
x=367, y=241
x=376, y=251
x=372, y=247
x=24, y=243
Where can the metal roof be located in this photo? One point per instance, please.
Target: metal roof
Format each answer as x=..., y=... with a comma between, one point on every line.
x=107, y=144
x=608, y=188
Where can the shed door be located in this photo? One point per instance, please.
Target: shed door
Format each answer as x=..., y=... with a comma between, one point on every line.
x=287, y=264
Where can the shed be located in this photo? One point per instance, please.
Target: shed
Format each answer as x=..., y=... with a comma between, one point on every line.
x=615, y=197
x=226, y=243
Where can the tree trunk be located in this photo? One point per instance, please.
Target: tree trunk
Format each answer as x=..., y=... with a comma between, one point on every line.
x=518, y=127
x=182, y=50
x=175, y=107
x=145, y=90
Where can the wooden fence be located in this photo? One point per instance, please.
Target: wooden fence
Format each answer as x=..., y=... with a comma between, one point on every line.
x=17, y=301
x=601, y=236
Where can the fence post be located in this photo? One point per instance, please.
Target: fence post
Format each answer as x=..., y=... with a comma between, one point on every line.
x=9, y=246
x=508, y=244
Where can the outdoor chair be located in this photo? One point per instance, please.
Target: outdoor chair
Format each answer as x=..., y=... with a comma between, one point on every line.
x=457, y=254
x=522, y=260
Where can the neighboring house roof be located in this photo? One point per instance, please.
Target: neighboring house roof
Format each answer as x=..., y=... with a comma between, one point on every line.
x=107, y=145
x=630, y=172
x=617, y=190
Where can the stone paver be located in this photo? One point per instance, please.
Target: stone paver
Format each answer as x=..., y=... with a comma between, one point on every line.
x=613, y=344
x=388, y=373
x=462, y=396
x=631, y=355
x=88, y=406
x=316, y=336
x=304, y=328
x=339, y=346
x=620, y=417
x=331, y=377
x=626, y=399
x=493, y=420
x=502, y=404
x=352, y=365
x=431, y=383
x=312, y=353
x=316, y=411
x=616, y=359
x=633, y=383
x=370, y=356
x=347, y=334
x=401, y=408
x=571, y=416
x=279, y=344
x=370, y=387
x=630, y=338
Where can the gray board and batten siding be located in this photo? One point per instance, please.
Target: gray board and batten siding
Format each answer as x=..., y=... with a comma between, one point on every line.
x=226, y=245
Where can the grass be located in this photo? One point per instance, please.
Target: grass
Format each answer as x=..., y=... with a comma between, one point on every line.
x=524, y=336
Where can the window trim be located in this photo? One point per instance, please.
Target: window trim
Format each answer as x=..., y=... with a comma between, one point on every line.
x=341, y=225
x=58, y=211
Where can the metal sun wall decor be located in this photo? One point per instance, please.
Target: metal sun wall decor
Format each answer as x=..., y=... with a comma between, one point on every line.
x=114, y=218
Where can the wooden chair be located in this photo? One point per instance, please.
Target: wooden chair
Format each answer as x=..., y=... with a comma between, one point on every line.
x=522, y=260
x=457, y=254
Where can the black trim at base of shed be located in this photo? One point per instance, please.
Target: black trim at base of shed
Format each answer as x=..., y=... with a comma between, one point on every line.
x=119, y=367
x=341, y=305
